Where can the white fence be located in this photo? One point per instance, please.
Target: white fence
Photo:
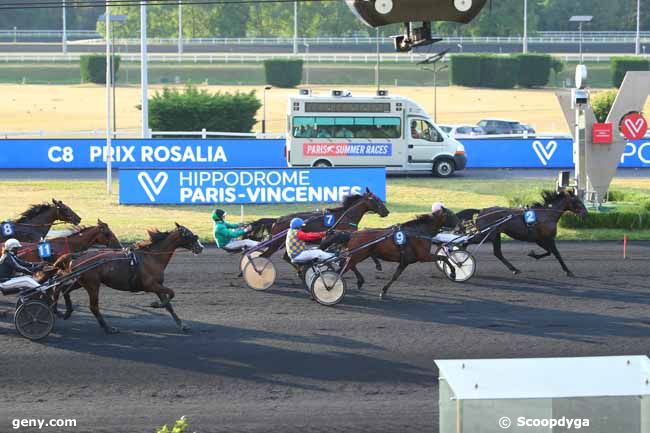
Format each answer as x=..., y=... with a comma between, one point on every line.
x=239, y=58
x=134, y=133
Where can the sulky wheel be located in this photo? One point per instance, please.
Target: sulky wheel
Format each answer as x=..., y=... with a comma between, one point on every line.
x=443, y=251
x=328, y=288
x=259, y=273
x=243, y=261
x=464, y=265
x=34, y=319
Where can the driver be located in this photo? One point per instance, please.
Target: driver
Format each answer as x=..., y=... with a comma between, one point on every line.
x=226, y=234
x=10, y=265
x=296, y=243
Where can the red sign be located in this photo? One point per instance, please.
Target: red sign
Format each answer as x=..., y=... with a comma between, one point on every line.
x=602, y=133
x=634, y=126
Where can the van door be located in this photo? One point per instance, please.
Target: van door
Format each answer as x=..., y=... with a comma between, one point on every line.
x=424, y=143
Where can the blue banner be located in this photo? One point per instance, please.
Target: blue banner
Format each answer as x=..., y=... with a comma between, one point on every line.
x=254, y=186
x=153, y=153
x=540, y=152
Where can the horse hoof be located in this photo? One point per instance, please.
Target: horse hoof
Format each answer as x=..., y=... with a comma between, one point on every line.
x=570, y=274
x=186, y=329
x=516, y=272
x=155, y=305
x=532, y=254
x=67, y=315
x=378, y=268
x=112, y=330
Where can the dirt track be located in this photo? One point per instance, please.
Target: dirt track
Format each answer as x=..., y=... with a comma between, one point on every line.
x=277, y=362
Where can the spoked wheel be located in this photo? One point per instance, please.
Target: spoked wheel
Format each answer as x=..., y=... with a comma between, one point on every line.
x=34, y=320
x=464, y=265
x=308, y=273
x=243, y=261
x=259, y=273
x=328, y=288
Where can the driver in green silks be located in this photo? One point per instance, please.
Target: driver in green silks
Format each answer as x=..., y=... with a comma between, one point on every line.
x=226, y=234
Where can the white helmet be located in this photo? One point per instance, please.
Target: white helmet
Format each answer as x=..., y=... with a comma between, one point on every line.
x=436, y=207
x=12, y=244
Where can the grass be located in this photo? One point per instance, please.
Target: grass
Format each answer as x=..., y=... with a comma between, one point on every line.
x=406, y=198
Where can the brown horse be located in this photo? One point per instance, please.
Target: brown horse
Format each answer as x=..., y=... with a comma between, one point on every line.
x=346, y=217
x=81, y=239
x=542, y=232
x=33, y=224
x=417, y=247
x=143, y=270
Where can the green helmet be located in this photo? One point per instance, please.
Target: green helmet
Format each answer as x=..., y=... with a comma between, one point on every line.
x=218, y=214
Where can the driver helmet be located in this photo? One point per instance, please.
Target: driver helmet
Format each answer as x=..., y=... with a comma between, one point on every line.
x=296, y=223
x=12, y=244
x=219, y=214
x=437, y=206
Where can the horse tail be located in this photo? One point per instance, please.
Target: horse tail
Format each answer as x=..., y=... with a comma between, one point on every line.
x=335, y=239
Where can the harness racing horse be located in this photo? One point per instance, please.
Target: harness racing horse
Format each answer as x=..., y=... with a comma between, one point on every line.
x=346, y=217
x=542, y=232
x=33, y=224
x=143, y=270
x=260, y=229
x=417, y=247
x=81, y=239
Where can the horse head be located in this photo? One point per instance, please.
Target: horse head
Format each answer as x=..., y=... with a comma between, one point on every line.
x=105, y=236
x=188, y=240
x=375, y=204
x=65, y=213
x=575, y=204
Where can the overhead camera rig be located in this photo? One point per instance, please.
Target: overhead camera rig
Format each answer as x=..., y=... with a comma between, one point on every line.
x=416, y=15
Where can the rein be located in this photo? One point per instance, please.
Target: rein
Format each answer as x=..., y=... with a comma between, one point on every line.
x=345, y=212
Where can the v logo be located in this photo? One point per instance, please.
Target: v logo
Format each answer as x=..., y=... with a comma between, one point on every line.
x=544, y=153
x=154, y=186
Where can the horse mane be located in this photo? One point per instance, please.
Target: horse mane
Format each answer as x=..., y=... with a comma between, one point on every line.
x=33, y=211
x=424, y=218
x=155, y=236
x=348, y=201
x=549, y=197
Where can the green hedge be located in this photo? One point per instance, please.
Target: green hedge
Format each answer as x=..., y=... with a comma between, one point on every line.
x=608, y=220
x=93, y=68
x=194, y=109
x=283, y=72
x=482, y=70
x=534, y=69
x=499, y=72
x=620, y=65
x=465, y=70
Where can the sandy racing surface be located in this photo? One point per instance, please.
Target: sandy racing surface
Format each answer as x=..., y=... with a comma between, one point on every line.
x=277, y=362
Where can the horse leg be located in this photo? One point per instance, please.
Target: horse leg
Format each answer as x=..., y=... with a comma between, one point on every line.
x=377, y=263
x=396, y=275
x=68, y=300
x=170, y=310
x=496, y=248
x=93, y=297
x=556, y=253
x=360, y=279
x=159, y=289
x=540, y=256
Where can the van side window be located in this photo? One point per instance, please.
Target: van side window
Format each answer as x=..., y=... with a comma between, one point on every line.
x=423, y=130
x=346, y=127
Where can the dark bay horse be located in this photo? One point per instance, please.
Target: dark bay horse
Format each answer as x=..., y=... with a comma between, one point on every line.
x=548, y=212
x=417, y=248
x=33, y=224
x=347, y=218
x=79, y=240
x=141, y=271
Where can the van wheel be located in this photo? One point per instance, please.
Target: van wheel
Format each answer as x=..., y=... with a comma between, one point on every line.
x=443, y=168
x=322, y=163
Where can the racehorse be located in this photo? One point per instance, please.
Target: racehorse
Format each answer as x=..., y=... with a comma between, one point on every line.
x=417, y=247
x=346, y=217
x=79, y=240
x=554, y=204
x=143, y=270
x=260, y=229
x=33, y=224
